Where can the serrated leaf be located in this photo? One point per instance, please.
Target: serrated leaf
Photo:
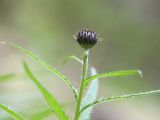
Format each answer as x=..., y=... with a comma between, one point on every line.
x=90, y=97
x=118, y=98
x=121, y=73
x=55, y=106
x=72, y=58
x=11, y=112
x=46, y=66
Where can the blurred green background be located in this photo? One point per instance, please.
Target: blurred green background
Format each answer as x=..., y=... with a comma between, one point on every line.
x=130, y=33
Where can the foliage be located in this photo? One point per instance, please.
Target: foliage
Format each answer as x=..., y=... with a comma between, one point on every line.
x=11, y=112
x=46, y=66
x=90, y=97
x=47, y=95
x=84, y=105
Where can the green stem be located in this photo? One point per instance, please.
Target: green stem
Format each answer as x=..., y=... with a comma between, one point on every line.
x=84, y=75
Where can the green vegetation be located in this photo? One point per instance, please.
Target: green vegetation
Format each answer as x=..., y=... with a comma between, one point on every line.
x=84, y=104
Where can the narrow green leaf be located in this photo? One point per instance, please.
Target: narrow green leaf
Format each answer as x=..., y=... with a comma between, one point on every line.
x=72, y=58
x=11, y=112
x=41, y=114
x=90, y=97
x=119, y=97
x=46, y=66
x=6, y=77
x=55, y=106
x=121, y=73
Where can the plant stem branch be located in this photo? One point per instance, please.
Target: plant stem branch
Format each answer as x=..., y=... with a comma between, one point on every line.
x=84, y=75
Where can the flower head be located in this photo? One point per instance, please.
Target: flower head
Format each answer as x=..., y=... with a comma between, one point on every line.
x=86, y=38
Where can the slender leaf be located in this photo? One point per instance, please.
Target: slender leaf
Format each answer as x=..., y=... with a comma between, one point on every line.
x=121, y=73
x=41, y=114
x=11, y=112
x=90, y=97
x=71, y=58
x=55, y=106
x=119, y=97
x=6, y=77
x=46, y=66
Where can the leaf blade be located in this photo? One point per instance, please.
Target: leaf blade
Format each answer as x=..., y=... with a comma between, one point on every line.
x=11, y=112
x=46, y=66
x=120, y=97
x=7, y=77
x=90, y=97
x=55, y=106
x=121, y=73
x=41, y=115
x=72, y=57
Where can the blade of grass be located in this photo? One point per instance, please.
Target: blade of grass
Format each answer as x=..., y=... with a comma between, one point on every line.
x=120, y=97
x=6, y=77
x=45, y=112
x=55, y=106
x=41, y=115
x=121, y=73
x=46, y=66
x=11, y=112
x=90, y=97
x=72, y=58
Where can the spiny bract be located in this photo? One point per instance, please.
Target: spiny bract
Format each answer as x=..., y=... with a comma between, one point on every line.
x=86, y=38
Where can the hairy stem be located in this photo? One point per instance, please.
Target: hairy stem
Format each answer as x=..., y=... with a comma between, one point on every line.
x=84, y=75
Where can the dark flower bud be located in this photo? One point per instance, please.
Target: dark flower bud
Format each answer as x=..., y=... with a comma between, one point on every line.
x=86, y=38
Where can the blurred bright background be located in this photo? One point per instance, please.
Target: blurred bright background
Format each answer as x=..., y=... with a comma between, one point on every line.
x=130, y=30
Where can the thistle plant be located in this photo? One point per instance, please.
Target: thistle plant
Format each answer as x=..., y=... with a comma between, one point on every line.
x=86, y=95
